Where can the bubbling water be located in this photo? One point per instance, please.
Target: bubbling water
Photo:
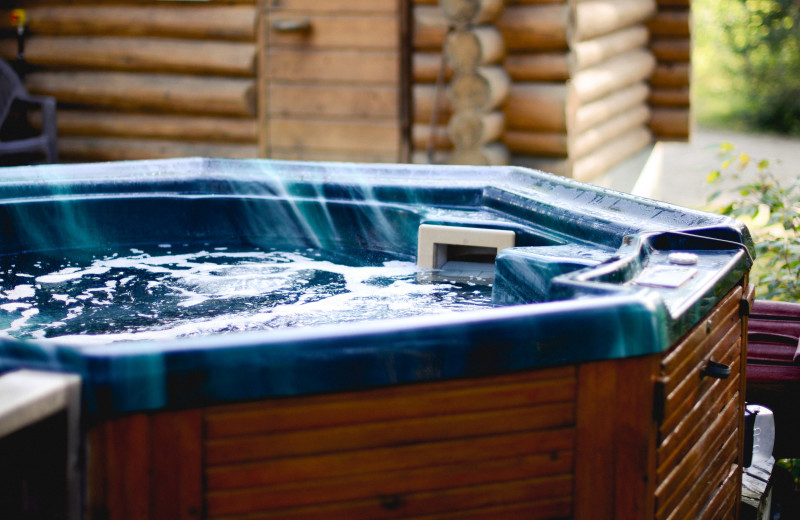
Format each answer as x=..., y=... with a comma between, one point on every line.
x=167, y=292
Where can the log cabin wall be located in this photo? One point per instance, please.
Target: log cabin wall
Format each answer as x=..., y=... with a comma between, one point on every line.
x=671, y=44
x=580, y=97
x=145, y=79
x=289, y=79
x=299, y=79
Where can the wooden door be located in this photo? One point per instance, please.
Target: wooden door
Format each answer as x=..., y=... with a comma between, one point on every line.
x=330, y=80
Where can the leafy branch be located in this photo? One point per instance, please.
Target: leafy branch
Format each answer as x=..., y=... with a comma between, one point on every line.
x=773, y=214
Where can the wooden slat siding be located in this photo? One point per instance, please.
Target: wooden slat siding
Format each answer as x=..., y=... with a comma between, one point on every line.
x=724, y=503
x=230, y=22
x=678, y=355
x=332, y=101
x=332, y=91
x=153, y=126
x=396, y=458
x=710, y=476
x=615, y=446
x=539, y=510
x=375, y=32
x=675, y=446
x=714, y=478
x=686, y=478
x=442, y=501
x=667, y=462
x=373, y=435
x=333, y=67
x=680, y=402
x=119, y=149
x=698, y=457
x=435, y=447
x=393, y=403
x=727, y=348
x=222, y=58
x=335, y=135
x=370, y=485
x=705, y=340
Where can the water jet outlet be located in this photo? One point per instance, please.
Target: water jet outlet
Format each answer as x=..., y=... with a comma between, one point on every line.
x=462, y=251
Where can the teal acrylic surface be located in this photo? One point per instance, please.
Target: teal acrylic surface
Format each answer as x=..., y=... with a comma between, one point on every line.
x=577, y=287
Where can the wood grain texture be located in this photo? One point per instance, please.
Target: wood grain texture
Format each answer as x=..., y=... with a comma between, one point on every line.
x=616, y=444
x=154, y=126
x=147, y=466
x=118, y=149
x=221, y=58
x=168, y=93
x=230, y=22
x=439, y=448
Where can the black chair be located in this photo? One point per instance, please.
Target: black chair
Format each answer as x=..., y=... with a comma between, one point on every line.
x=17, y=137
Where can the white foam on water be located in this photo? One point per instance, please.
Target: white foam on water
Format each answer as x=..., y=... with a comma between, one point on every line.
x=265, y=289
x=20, y=292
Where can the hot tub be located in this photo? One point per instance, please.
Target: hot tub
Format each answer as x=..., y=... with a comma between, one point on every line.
x=600, y=378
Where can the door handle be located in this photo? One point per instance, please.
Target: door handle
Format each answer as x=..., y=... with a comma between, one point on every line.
x=716, y=370
x=292, y=25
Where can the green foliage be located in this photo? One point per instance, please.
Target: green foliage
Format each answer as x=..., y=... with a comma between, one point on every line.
x=792, y=466
x=774, y=211
x=748, y=63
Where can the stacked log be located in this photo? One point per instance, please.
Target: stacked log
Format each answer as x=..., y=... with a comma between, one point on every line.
x=145, y=80
x=579, y=72
x=474, y=49
x=671, y=44
x=610, y=67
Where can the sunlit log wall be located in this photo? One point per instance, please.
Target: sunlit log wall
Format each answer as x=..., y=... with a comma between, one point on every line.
x=580, y=95
x=144, y=79
x=226, y=78
x=294, y=79
x=671, y=44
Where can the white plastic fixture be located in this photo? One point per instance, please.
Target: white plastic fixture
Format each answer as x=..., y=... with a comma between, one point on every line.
x=462, y=250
